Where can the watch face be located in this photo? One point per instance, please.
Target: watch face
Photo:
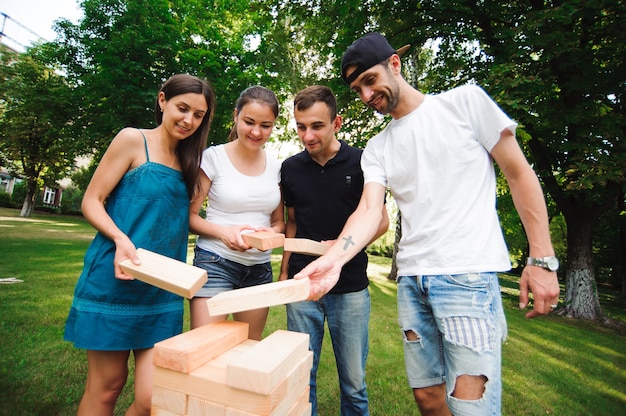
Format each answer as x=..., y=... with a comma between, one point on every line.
x=553, y=263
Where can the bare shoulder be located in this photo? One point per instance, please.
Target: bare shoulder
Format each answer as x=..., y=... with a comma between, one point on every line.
x=128, y=137
x=127, y=147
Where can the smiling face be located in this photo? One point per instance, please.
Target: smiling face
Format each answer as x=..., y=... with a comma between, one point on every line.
x=183, y=114
x=254, y=122
x=317, y=129
x=377, y=87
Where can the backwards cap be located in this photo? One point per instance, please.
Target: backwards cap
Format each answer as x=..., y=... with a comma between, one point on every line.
x=366, y=52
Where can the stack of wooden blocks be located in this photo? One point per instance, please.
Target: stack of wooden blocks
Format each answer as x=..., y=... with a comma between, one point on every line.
x=216, y=370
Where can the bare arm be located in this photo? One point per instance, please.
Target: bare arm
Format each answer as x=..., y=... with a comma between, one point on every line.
x=290, y=232
x=530, y=204
x=383, y=226
x=230, y=236
x=359, y=230
x=125, y=152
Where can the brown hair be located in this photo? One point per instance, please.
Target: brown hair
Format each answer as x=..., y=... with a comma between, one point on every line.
x=254, y=93
x=189, y=151
x=313, y=94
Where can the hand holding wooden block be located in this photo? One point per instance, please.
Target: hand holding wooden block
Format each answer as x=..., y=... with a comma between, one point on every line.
x=264, y=240
x=260, y=296
x=166, y=273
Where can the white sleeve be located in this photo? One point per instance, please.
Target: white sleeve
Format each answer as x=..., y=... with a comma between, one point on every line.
x=486, y=117
x=209, y=162
x=371, y=163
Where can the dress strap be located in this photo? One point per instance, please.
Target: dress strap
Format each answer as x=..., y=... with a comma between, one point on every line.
x=145, y=143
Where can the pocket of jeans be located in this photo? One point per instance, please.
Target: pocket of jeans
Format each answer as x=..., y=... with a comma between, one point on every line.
x=470, y=280
x=205, y=258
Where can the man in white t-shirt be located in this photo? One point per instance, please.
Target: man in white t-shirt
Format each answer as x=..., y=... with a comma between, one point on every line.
x=436, y=156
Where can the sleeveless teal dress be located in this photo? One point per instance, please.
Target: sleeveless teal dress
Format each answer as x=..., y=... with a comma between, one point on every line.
x=151, y=206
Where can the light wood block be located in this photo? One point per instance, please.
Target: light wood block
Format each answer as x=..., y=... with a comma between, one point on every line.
x=194, y=348
x=157, y=411
x=260, y=296
x=209, y=382
x=297, y=389
x=170, y=400
x=166, y=273
x=305, y=246
x=201, y=407
x=302, y=406
x=266, y=364
x=264, y=240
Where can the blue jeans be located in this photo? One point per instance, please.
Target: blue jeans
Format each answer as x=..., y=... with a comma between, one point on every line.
x=347, y=315
x=225, y=275
x=452, y=326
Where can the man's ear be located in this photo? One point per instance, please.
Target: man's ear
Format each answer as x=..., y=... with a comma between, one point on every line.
x=395, y=64
x=337, y=123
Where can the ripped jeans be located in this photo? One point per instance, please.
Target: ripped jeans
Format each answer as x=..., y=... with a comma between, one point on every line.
x=453, y=326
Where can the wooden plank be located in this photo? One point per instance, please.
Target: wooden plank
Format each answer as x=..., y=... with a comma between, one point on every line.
x=166, y=399
x=157, y=411
x=297, y=389
x=305, y=246
x=194, y=348
x=302, y=406
x=260, y=296
x=208, y=382
x=262, y=367
x=202, y=407
x=166, y=273
x=264, y=240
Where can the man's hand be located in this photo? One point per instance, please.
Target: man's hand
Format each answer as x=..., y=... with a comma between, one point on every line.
x=323, y=274
x=544, y=286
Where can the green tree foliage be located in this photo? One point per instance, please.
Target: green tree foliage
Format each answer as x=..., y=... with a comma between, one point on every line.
x=35, y=116
x=117, y=56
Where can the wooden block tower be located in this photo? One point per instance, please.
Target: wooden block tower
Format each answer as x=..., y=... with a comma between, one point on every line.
x=216, y=370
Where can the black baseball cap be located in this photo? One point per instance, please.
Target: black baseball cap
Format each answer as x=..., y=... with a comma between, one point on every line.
x=366, y=52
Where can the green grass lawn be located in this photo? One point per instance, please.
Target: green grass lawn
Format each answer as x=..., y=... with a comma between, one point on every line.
x=551, y=365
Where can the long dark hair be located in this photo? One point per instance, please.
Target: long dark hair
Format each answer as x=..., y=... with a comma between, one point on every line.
x=250, y=94
x=189, y=151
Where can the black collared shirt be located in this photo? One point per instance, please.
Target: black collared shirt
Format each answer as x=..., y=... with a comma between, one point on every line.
x=323, y=198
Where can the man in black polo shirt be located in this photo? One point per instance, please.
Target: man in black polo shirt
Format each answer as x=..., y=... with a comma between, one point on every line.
x=322, y=186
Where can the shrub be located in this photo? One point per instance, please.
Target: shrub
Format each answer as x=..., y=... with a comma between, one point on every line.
x=5, y=200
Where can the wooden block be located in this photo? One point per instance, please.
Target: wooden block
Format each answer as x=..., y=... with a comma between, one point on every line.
x=305, y=246
x=201, y=407
x=209, y=383
x=260, y=296
x=266, y=364
x=264, y=240
x=302, y=409
x=194, y=348
x=157, y=411
x=166, y=273
x=297, y=389
x=170, y=400
x=302, y=406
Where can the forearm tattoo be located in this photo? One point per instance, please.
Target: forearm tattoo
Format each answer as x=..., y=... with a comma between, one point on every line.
x=348, y=242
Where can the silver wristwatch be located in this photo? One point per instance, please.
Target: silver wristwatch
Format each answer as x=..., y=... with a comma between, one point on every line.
x=549, y=263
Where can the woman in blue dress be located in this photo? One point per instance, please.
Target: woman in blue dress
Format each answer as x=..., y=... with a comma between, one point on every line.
x=138, y=197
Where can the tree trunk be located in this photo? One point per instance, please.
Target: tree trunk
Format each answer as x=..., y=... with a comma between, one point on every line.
x=622, y=237
x=581, y=293
x=29, y=199
x=393, y=273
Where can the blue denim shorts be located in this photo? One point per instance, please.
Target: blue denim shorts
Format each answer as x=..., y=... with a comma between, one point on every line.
x=452, y=326
x=225, y=275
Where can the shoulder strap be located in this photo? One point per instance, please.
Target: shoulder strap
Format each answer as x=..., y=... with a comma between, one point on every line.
x=145, y=143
